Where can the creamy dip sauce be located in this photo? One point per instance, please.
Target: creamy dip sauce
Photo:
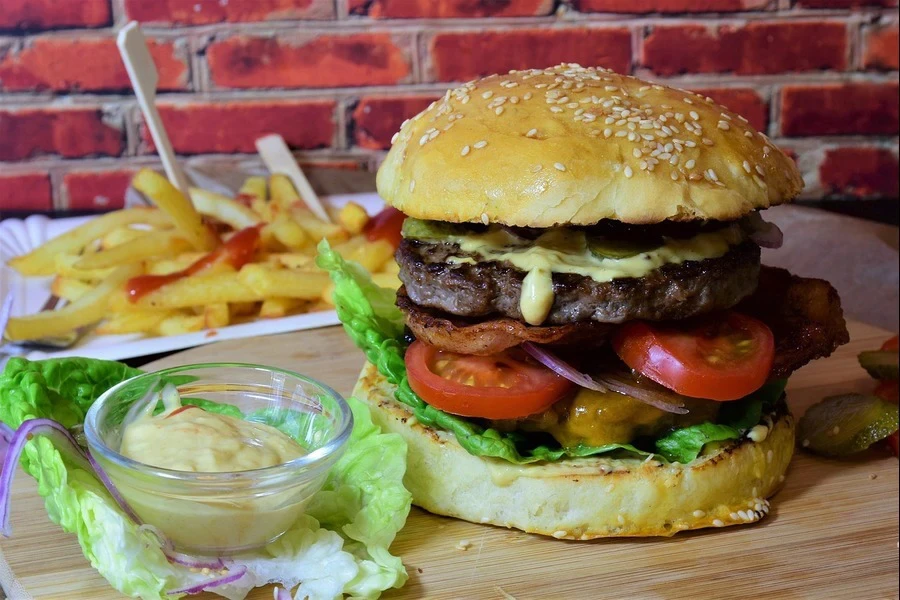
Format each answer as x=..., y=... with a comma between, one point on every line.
x=188, y=438
x=562, y=250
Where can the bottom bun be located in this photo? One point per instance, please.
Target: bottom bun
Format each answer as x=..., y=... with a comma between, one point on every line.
x=586, y=498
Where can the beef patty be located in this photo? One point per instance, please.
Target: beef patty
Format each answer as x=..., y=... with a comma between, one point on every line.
x=481, y=289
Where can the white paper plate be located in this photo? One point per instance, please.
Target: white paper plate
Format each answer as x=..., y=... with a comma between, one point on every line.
x=20, y=236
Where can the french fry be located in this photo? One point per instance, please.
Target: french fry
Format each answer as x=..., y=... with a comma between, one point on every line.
x=253, y=188
x=289, y=283
x=387, y=280
x=353, y=217
x=64, y=265
x=294, y=260
x=243, y=309
x=263, y=209
x=163, y=243
x=282, y=192
x=88, y=309
x=373, y=255
x=346, y=249
x=290, y=233
x=173, y=265
x=327, y=297
x=391, y=266
x=224, y=209
x=216, y=315
x=179, y=324
x=200, y=290
x=318, y=229
x=172, y=202
x=273, y=308
x=133, y=321
x=120, y=235
x=41, y=260
x=69, y=289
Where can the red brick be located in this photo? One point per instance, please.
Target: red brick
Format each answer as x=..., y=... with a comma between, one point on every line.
x=68, y=132
x=452, y=9
x=45, y=14
x=323, y=61
x=840, y=109
x=96, y=190
x=881, y=48
x=745, y=102
x=461, y=56
x=860, y=172
x=756, y=48
x=377, y=119
x=668, y=6
x=202, y=12
x=844, y=3
x=26, y=192
x=85, y=64
x=234, y=126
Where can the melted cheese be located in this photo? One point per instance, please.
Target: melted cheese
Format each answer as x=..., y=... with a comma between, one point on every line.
x=562, y=250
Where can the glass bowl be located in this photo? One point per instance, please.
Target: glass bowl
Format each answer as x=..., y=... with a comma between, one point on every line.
x=225, y=512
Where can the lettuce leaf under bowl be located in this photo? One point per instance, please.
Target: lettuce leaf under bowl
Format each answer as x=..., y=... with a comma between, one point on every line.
x=375, y=324
x=340, y=547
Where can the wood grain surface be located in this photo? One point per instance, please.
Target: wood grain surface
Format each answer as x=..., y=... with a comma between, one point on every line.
x=832, y=533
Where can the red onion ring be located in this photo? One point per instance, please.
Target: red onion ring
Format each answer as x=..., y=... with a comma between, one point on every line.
x=763, y=233
x=215, y=582
x=562, y=368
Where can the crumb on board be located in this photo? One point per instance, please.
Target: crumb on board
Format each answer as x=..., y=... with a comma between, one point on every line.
x=463, y=545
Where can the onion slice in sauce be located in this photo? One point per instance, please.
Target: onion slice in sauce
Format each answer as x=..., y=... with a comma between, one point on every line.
x=763, y=233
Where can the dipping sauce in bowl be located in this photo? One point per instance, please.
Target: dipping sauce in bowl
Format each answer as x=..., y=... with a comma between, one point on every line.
x=220, y=457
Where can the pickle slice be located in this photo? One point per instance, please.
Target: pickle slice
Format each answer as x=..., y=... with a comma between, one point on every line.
x=881, y=364
x=612, y=248
x=845, y=424
x=429, y=230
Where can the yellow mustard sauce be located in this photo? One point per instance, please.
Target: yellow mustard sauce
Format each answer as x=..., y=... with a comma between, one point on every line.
x=189, y=438
x=561, y=250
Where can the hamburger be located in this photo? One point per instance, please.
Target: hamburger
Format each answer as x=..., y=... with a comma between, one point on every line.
x=587, y=344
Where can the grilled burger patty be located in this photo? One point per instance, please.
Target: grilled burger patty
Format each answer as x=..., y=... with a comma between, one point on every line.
x=672, y=292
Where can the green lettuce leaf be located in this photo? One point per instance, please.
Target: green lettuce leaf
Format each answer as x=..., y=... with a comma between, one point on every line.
x=340, y=547
x=375, y=325
x=686, y=444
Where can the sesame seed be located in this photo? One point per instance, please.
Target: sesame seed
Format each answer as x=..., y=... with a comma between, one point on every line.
x=690, y=143
x=423, y=140
x=712, y=175
x=836, y=430
x=718, y=523
x=514, y=99
x=487, y=94
x=607, y=132
x=412, y=185
x=747, y=166
x=707, y=142
x=556, y=109
x=484, y=218
x=636, y=152
x=694, y=115
x=394, y=137
x=628, y=172
x=643, y=165
x=464, y=151
x=760, y=170
x=498, y=111
x=621, y=520
x=621, y=133
x=748, y=134
x=531, y=133
x=527, y=96
x=479, y=145
x=734, y=516
x=559, y=166
x=688, y=101
x=724, y=125
x=674, y=175
x=744, y=515
x=699, y=514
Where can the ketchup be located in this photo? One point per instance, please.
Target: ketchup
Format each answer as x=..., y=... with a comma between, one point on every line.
x=386, y=225
x=237, y=252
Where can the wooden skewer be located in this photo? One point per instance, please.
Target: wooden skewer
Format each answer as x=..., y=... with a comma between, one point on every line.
x=278, y=159
x=144, y=79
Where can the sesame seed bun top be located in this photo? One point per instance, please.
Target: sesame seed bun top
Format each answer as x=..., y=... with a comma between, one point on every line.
x=573, y=145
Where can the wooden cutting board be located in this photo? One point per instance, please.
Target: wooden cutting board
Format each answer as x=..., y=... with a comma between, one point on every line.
x=832, y=533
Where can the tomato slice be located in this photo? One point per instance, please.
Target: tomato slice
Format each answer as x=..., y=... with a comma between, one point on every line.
x=386, y=225
x=893, y=443
x=720, y=357
x=892, y=344
x=889, y=391
x=507, y=385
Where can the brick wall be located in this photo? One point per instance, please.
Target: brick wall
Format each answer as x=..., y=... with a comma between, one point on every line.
x=336, y=78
